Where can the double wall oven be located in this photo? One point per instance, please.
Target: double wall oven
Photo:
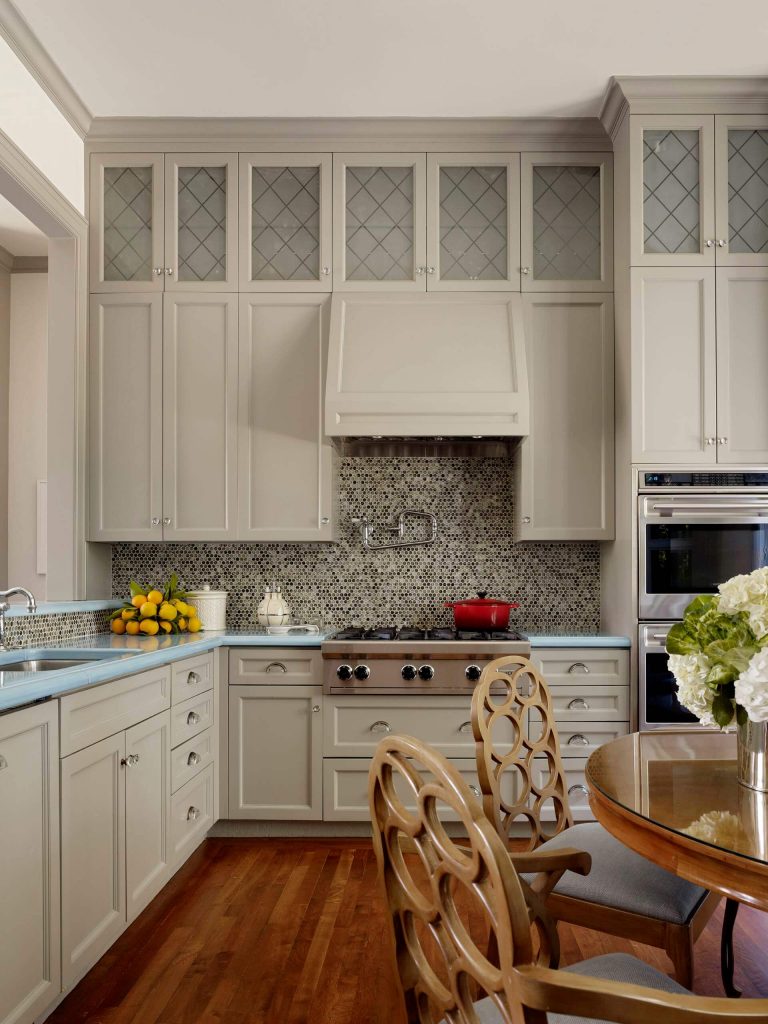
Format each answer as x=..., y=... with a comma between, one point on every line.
x=695, y=529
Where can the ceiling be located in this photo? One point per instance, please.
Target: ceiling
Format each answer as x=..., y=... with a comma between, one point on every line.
x=19, y=236
x=337, y=58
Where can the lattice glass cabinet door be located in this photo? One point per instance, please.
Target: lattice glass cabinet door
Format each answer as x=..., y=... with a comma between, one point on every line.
x=566, y=223
x=379, y=216
x=741, y=176
x=673, y=221
x=473, y=228
x=201, y=222
x=285, y=222
x=126, y=222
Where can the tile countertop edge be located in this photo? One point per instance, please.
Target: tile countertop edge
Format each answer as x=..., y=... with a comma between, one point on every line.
x=63, y=607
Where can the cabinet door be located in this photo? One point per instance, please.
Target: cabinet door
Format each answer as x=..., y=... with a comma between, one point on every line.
x=379, y=221
x=199, y=417
x=125, y=412
x=473, y=222
x=126, y=222
x=566, y=463
x=147, y=811
x=30, y=965
x=286, y=464
x=285, y=222
x=92, y=854
x=201, y=222
x=672, y=215
x=275, y=752
x=673, y=365
x=742, y=364
x=741, y=179
x=566, y=222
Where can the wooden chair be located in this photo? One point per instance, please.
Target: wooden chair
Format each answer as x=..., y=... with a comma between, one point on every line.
x=436, y=894
x=624, y=894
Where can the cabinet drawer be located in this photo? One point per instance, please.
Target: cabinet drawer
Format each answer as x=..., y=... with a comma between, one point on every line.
x=189, y=759
x=190, y=677
x=190, y=718
x=272, y=665
x=92, y=715
x=576, y=665
x=581, y=740
x=191, y=814
x=588, y=703
x=578, y=792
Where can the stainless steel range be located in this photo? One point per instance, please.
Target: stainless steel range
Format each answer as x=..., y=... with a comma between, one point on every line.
x=411, y=660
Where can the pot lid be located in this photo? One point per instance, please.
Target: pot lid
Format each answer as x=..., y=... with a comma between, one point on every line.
x=482, y=601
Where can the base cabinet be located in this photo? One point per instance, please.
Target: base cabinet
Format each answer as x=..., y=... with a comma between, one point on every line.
x=30, y=966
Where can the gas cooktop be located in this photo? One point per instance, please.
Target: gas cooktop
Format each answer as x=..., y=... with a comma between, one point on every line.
x=441, y=634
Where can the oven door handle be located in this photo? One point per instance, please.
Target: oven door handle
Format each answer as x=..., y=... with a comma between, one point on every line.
x=701, y=506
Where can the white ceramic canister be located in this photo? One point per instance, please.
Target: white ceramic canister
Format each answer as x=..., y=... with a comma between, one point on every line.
x=211, y=606
x=273, y=610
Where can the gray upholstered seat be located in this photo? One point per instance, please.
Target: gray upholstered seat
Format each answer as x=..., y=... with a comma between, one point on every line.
x=613, y=967
x=622, y=878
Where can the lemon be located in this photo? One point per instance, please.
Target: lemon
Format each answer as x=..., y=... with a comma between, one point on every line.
x=155, y=597
x=138, y=601
x=178, y=603
x=182, y=622
x=194, y=624
x=148, y=610
x=129, y=613
x=166, y=627
x=191, y=611
x=118, y=626
x=167, y=611
x=149, y=626
x=132, y=628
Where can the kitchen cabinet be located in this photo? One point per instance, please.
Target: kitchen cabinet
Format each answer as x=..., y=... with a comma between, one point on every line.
x=30, y=964
x=566, y=222
x=565, y=466
x=741, y=183
x=163, y=223
x=286, y=464
x=275, y=752
x=285, y=222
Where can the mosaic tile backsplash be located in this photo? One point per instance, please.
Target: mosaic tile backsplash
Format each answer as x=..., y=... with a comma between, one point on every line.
x=40, y=630
x=557, y=584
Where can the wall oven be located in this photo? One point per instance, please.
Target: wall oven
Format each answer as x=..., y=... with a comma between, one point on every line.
x=659, y=706
x=695, y=531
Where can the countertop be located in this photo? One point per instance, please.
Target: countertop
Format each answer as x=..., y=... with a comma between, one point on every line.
x=139, y=654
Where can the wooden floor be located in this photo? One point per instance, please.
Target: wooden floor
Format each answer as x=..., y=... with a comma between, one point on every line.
x=294, y=932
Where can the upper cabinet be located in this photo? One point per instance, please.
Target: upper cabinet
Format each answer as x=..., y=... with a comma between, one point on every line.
x=566, y=222
x=741, y=181
x=285, y=222
x=163, y=223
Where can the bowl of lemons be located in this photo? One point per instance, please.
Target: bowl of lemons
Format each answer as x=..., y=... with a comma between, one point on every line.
x=153, y=611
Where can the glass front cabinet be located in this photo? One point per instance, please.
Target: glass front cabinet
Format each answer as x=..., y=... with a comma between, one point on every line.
x=741, y=182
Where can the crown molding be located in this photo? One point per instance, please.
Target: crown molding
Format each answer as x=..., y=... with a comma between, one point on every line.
x=614, y=108
x=309, y=133
x=48, y=75
x=668, y=94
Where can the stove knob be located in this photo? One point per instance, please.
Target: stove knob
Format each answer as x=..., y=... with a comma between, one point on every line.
x=362, y=672
x=344, y=672
x=473, y=673
x=408, y=672
x=426, y=672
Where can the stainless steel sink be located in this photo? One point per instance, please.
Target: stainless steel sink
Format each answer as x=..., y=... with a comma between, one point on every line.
x=44, y=664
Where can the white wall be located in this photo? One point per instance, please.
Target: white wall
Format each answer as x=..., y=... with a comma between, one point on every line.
x=5, y=348
x=27, y=425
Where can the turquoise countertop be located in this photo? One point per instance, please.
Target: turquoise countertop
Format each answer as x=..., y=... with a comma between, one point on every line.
x=110, y=657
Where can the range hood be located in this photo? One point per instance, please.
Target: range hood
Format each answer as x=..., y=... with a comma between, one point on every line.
x=440, y=366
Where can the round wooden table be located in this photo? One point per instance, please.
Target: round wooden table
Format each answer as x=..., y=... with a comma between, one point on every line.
x=674, y=798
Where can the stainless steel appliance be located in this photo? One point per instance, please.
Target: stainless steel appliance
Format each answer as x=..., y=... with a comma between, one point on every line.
x=659, y=704
x=697, y=529
x=411, y=660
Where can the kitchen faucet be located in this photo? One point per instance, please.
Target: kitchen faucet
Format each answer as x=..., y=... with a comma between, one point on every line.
x=5, y=604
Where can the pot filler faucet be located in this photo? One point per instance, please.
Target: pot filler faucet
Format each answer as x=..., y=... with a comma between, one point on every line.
x=5, y=605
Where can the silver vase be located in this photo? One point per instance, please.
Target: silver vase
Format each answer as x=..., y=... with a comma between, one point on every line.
x=752, y=755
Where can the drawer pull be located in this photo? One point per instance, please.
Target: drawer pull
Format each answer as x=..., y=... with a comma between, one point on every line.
x=580, y=667
x=3, y=762
x=193, y=718
x=578, y=788
x=130, y=761
x=276, y=665
x=193, y=814
x=476, y=791
x=578, y=738
x=465, y=727
x=578, y=702
x=194, y=758
x=381, y=727
x=193, y=679
x=315, y=708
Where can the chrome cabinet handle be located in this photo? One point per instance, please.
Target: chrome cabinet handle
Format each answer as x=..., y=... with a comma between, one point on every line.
x=465, y=727
x=420, y=271
x=130, y=761
x=578, y=788
x=525, y=271
x=578, y=738
x=526, y=520
x=276, y=664
x=325, y=520
x=194, y=758
x=167, y=520
x=326, y=271
x=193, y=718
x=578, y=702
x=709, y=243
x=721, y=243
x=430, y=270
x=315, y=708
x=168, y=271
x=709, y=441
x=475, y=790
x=193, y=679
x=3, y=762
x=193, y=814
x=381, y=727
x=579, y=665
x=155, y=520
x=722, y=440
x=157, y=271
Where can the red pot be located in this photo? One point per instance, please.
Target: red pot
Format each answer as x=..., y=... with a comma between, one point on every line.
x=481, y=612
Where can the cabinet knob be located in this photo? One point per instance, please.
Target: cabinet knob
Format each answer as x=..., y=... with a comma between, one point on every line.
x=525, y=271
x=709, y=441
x=193, y=718
x=325, y=520
x=526, y=520
x=315, y=708
x=194, y=758
x=193, y=814
x=168, y=271
x=167, y=520
x=420, y=271
x=155, y=520
x=381, y=727
x=578, y=703
x=326, y=271
x=709, y=243
x=722, y=440
x=157, y=271
x=721, y=243
x=430, y=270
x=193, y=679
x=130, y=761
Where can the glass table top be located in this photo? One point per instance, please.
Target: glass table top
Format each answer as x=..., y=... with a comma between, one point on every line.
x=685, y=782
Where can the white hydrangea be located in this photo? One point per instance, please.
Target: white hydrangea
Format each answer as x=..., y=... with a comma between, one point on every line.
x=752, y=687
x=690, y=671
x=747, y=593
x=721, y=828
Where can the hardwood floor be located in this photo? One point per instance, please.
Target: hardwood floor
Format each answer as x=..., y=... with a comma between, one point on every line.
x=294, y=932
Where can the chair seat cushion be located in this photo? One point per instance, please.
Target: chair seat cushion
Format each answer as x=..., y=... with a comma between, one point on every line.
x=613, y=967
x=623, y=879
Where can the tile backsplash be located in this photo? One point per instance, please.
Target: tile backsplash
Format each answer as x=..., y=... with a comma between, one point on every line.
x=557, y=584
x=40, y=629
